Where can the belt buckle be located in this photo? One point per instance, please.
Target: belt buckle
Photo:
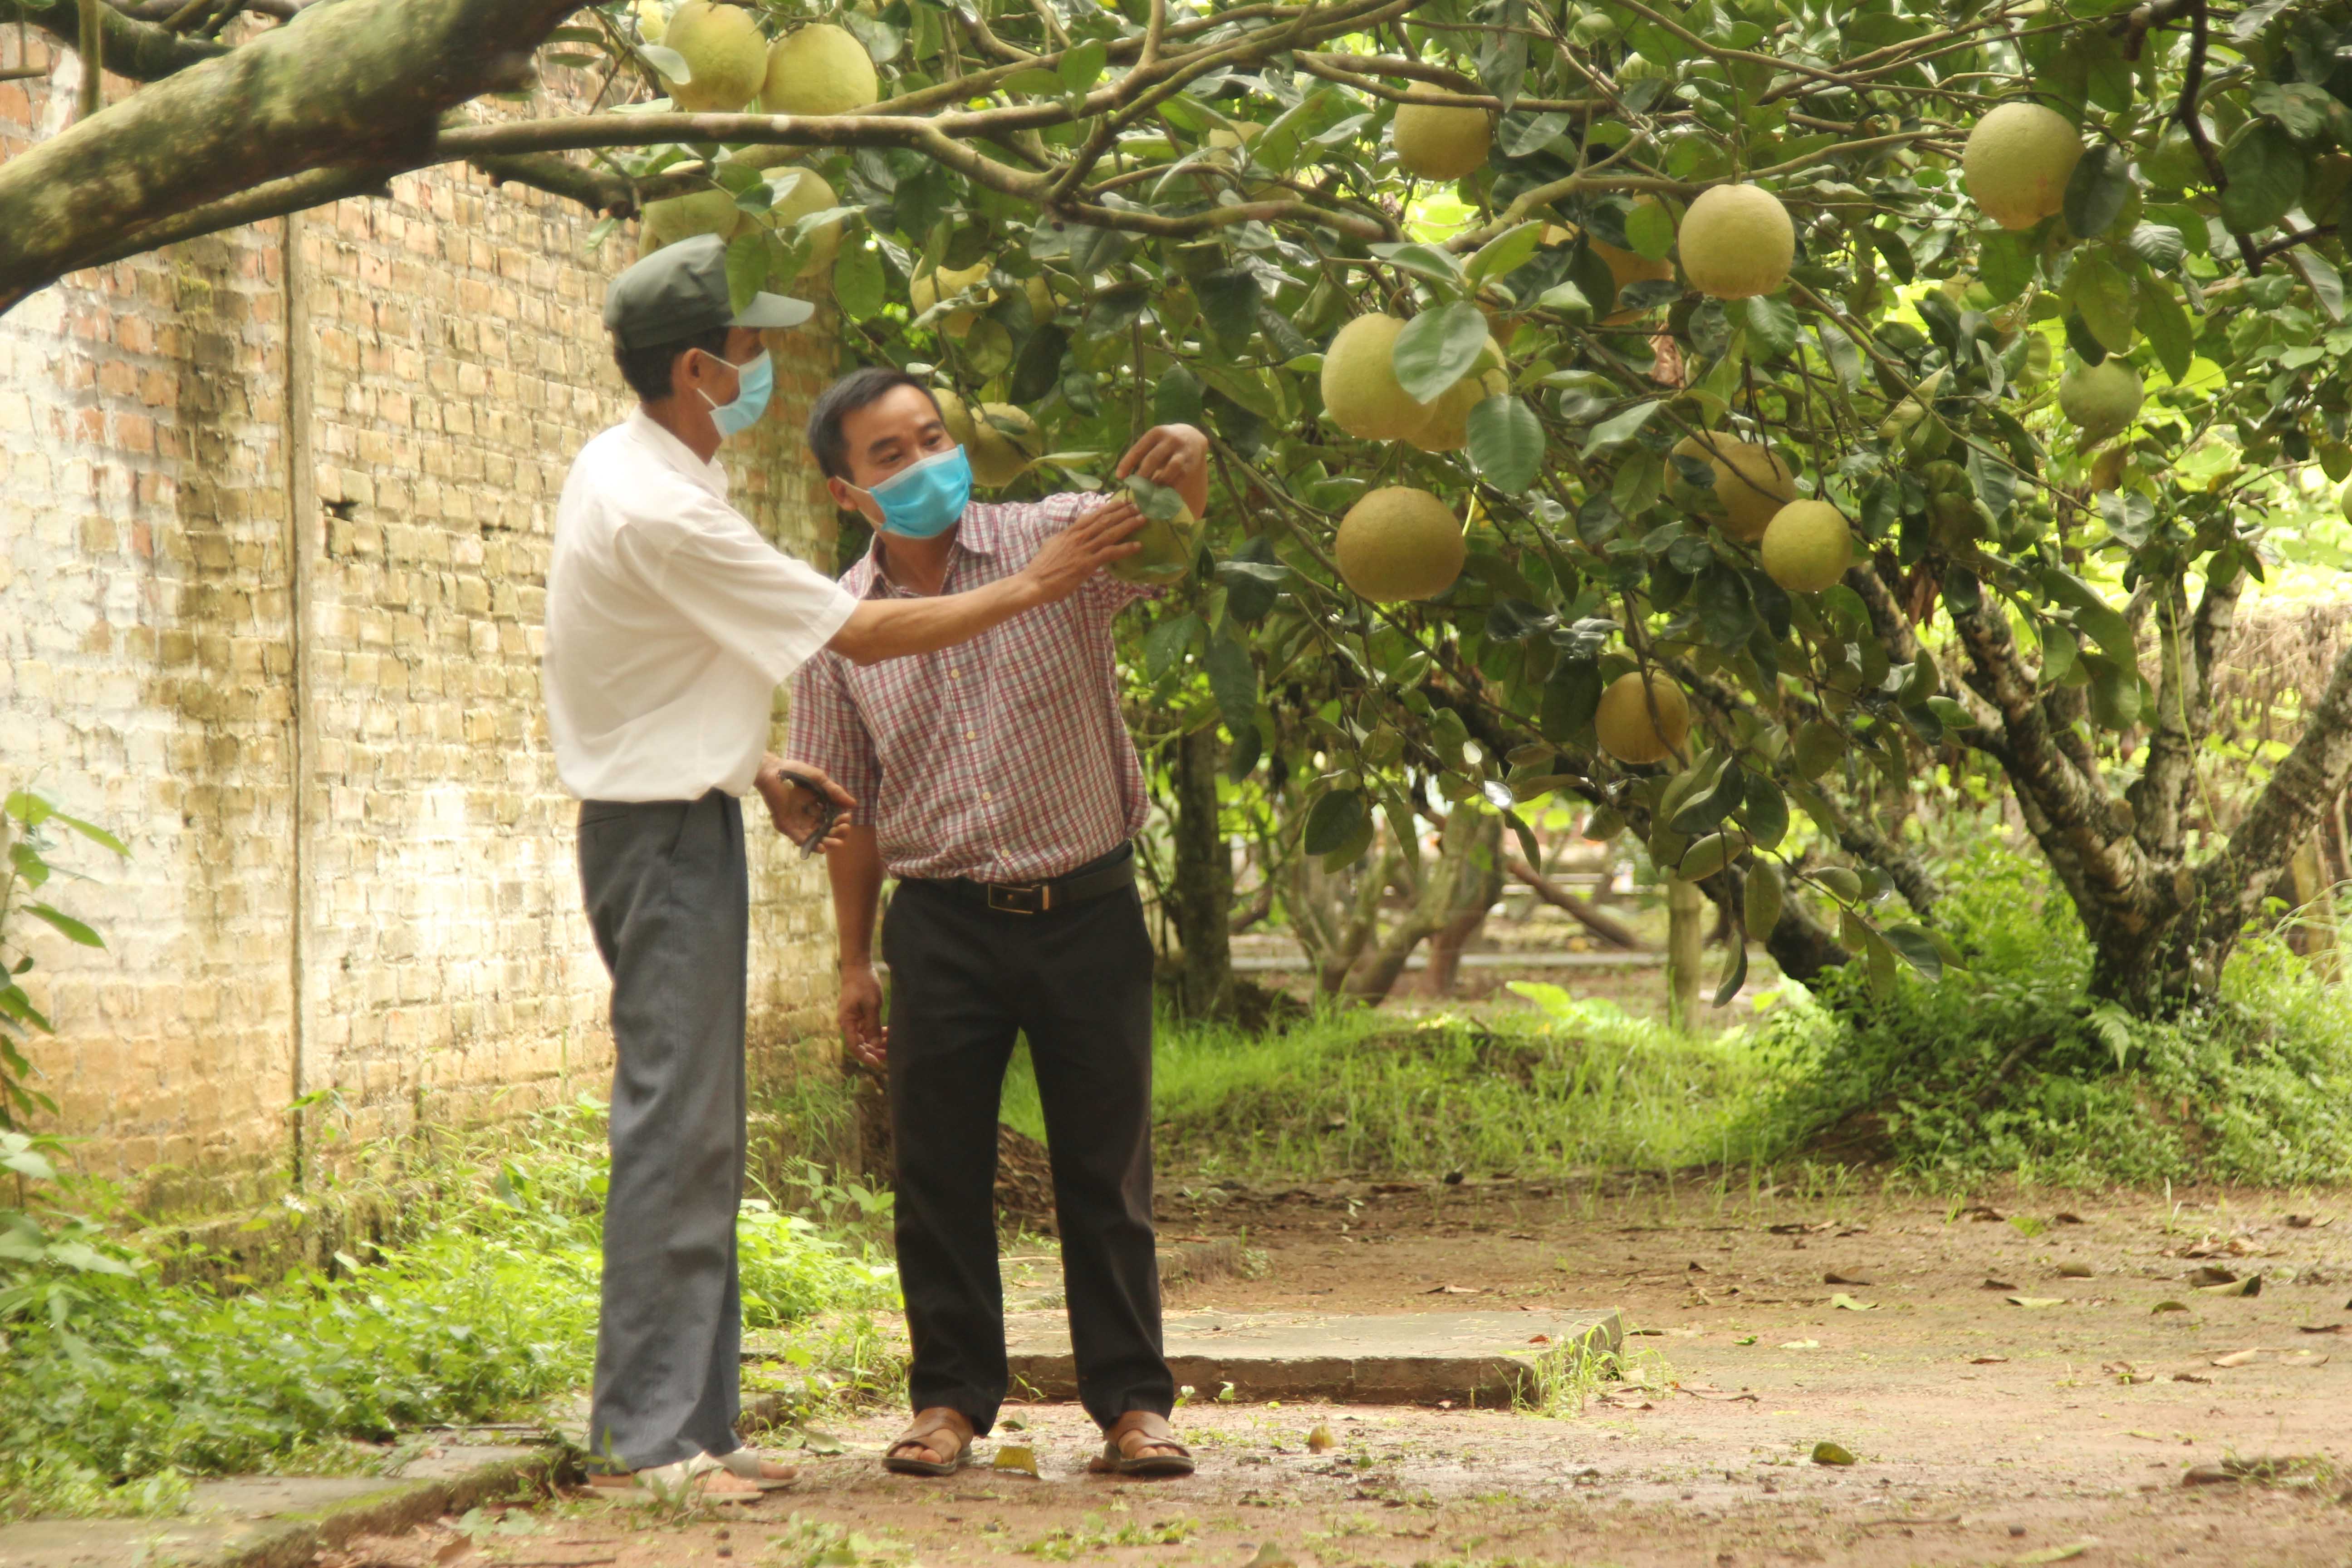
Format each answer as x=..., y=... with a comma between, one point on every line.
x=1020, y=898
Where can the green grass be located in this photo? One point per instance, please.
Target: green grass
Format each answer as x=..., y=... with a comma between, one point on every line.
x=114, y=1389
x=1570, y=1086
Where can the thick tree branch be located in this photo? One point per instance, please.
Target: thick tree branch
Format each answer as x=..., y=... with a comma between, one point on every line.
x=1592, y=916
x=2184, y=706
x=135, y=49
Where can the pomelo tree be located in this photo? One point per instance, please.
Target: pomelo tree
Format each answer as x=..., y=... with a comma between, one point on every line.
x=1893, y=392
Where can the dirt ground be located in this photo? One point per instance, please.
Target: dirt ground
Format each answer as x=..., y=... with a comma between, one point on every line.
x=2006, y=1378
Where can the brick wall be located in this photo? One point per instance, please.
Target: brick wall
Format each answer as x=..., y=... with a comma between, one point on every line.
x=275, y=511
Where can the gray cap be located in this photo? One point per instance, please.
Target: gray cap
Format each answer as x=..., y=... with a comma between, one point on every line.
x=680, y=291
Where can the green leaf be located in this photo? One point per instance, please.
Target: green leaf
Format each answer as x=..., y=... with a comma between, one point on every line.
x=1507, y=252
x=1437, y=348
x=1705, y=857
x=1332, y=820
x=1081, y=64
x=2265, y=171
x=1622, y=427
x=2003, y=266
x=2093, y=613
x=1507, y=444
x=1735, y=973
x=2095, y=193
x=2157, y=244
x=1919, y=949
x=2102, y=294
x=1570, y=697
x=1038, y=368
x=747, y=255
x=1248, y=745
x=1763, y=899
x=1765, y=811
x=1772, y=324
x=2167, y=327
x=1176, y=398
x=1229, y=302
x=1165, y=644
x=1650, y=230
x=1233, y=680
x=1423, y=260
x=668, y=62
x=857, y=283
x=72, y=928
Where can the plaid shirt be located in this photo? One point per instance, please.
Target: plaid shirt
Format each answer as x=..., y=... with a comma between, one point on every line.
x=1003, y=758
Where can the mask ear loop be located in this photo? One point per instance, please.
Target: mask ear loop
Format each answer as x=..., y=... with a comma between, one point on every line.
x=720, y=359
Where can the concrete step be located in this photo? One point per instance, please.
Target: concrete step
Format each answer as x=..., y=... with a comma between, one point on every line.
x=1408, y=1358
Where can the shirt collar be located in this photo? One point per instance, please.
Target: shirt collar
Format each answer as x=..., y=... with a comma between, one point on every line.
x=975, y=531
x=676, y=453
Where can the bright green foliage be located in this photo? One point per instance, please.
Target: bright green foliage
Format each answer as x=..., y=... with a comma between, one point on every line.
x=27, y=825
x=2005, y=1068
x=488, y=1309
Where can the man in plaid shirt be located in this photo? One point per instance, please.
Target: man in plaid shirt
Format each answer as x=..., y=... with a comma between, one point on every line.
x=996, y=781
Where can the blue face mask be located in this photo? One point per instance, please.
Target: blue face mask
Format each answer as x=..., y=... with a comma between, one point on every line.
x=923, y=499
x=754, y=382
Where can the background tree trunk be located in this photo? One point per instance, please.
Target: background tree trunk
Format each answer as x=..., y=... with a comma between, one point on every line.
x=1203, y=891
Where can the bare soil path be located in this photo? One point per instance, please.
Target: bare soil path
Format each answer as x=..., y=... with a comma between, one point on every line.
x=2003, y=1378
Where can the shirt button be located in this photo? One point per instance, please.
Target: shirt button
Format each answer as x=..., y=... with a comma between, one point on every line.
x=985, y=796
x=967, y=734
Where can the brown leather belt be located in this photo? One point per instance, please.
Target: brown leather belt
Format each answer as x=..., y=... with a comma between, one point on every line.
x=1094, y=879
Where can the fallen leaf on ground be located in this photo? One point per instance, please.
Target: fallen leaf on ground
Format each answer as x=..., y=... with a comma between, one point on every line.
x=1539, y=1339
x=2306, y=1222
x=1697, y=1269
x=1986, y=1360
x=1800, y=1344
x=1831, y=1454
x=2057, y=1553
x=2075, y=1271
x=2237, y=1358
x=1019, y=1457
x=2302, y=1358
x=2035, y=1302
x=1801, y=1227
x=2187, y=1377
x=1451, y=1290
x=2324, y=1328
x=1708, y=1391
x=1320, y=1440
x=2066, y=1218
x=2169, y=1307
x=2207, y=1476
x=1834, y=1277
x=1992, y=1284
x=1841, y=1302
x=2213, y=1274
x=2252, y=1285
x=1271, y=1556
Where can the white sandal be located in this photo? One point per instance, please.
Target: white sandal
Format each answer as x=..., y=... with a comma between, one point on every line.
x=684, y=1482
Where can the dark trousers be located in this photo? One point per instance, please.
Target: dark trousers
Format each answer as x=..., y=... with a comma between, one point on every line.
x=668, y=898
x=1078, y=982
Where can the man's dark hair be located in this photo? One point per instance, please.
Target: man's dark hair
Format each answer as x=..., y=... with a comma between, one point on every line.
x=843, y=398
x=646, y=370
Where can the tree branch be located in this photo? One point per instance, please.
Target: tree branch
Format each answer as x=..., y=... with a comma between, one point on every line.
x=135, y=49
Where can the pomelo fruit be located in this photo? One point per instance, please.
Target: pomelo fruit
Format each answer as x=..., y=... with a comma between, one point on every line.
x=653, y=20
x=1397, y=542
x=1168, y=550
x=1624, y=722
x=1438, y=140
x=2099, y=399
x=682, y=218
x=1737, y=242
x=2017, y=161
x=1808, y=547
x=819, y=69
x=725, y=51
x=930, y=288
x=997, y=456
x=1360, y=394
x=1448, y=429
x=1752, y=483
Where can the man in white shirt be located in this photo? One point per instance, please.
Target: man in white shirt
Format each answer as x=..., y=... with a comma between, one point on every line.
x=669, y=624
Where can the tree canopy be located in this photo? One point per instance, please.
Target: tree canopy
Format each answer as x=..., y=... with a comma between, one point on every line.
x=1909, y=391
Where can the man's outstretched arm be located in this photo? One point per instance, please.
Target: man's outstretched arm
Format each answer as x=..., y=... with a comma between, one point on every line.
x=892, y=628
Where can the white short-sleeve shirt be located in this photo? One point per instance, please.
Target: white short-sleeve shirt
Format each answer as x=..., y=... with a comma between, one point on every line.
x=670, y=622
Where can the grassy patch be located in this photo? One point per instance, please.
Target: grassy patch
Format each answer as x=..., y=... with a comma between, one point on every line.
x=113, y=1389
x=2007, y=1069
x=1575, y=1086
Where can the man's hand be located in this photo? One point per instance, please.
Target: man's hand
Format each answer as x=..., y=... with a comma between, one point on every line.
x=861, y=1016
x=1173, y=455
x=1097, y=538
x=793, y=810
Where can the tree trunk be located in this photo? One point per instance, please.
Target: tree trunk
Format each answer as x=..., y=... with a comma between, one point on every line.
x=1600, y=923
x=1203, y=891
x=1480, y=889
x=2314, y=899
x=1466, y=877
x=1684, y=934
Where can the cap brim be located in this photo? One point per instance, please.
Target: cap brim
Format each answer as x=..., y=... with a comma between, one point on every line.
x=773, y=310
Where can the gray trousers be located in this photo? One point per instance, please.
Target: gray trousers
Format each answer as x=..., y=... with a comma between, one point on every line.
x=668, y=900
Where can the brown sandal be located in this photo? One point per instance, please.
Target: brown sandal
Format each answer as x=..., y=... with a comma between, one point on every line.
x=923, y=1437
x=1173, y=1460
